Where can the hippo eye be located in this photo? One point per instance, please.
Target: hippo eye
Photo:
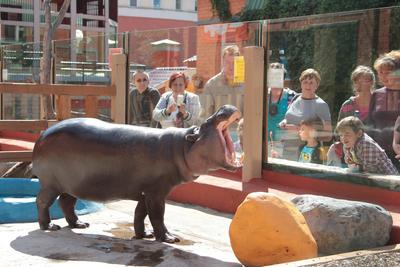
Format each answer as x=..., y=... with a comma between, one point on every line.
x=196, y=130
x=192, y=137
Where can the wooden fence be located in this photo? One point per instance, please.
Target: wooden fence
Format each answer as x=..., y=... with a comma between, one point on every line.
x=252, y=106
x=117, y=91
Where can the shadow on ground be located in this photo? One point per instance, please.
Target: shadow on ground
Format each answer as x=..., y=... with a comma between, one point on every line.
x=67, y=245
x=201, y=209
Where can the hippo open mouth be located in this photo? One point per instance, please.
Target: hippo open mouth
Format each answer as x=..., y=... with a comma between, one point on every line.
x=226, y=140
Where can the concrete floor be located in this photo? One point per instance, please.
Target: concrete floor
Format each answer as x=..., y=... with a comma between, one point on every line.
x=203, y=233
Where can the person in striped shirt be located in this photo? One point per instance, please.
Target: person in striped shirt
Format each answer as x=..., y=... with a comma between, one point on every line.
x=361, y=152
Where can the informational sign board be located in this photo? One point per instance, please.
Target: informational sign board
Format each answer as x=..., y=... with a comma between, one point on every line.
x=238, y=69
x=275, y=78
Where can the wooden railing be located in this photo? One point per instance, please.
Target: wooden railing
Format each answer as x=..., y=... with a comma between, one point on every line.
x=117, y=92
x=22, y=125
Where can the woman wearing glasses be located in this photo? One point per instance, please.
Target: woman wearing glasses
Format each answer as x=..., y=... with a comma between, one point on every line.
x=279, y=100
x=143, y=100
x=177, y=107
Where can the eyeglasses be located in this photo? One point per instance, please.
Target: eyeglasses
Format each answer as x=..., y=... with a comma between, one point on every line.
x=141, y=80
x=178, y=84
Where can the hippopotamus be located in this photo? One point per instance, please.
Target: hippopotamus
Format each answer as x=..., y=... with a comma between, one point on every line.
x=90, y=159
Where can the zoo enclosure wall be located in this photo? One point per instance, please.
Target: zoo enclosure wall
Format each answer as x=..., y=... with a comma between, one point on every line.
x=332, y=43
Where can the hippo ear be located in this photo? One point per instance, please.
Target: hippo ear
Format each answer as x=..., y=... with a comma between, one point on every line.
x=192, y=137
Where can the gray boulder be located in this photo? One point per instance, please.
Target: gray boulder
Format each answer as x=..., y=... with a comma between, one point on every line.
x=342, y=226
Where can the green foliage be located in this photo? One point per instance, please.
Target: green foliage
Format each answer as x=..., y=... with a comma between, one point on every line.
x=222, y=8
x=330, y=48
x=273, y=9
x=395, y=29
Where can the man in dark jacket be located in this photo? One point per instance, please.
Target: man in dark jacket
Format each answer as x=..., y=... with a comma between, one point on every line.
x=143, y=100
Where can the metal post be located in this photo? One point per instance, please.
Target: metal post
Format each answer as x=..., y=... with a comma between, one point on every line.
x=1, y=80
x=1, y=64
x=126, y=42
x=266, y=45
x=53, y=71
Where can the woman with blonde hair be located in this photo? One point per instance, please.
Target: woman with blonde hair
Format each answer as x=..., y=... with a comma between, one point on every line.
x=385, y=103
x=363, y=80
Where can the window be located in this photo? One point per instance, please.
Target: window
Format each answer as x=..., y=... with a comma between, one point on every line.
x=9, y=32
x=178, y=5
x=156, y=3
x=134, y=3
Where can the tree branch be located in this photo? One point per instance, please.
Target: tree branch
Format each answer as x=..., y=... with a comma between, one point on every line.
x=60, y=17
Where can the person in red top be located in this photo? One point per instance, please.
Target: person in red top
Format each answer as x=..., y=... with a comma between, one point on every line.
x=385, y=103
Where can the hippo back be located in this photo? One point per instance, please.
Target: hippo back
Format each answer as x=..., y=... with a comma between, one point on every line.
x=96, y=160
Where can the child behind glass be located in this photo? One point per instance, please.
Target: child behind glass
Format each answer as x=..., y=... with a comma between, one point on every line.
x=308, y=132
x=361, y=152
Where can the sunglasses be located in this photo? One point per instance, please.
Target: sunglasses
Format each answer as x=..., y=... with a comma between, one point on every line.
x=141, y=80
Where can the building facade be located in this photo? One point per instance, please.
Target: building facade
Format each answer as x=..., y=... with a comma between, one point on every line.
x=138, y=15
x=85, y=34
x=22, y=21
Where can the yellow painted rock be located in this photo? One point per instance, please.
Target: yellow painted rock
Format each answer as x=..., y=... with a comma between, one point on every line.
x=267, y=229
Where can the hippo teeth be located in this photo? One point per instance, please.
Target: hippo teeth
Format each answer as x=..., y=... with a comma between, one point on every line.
x=229, y=150
x=235, y=162
x=226, y=140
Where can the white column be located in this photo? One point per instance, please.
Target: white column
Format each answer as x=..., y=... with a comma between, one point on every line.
x=36, y=36
x=36, y=21
x=106, y=26
x=73, y=29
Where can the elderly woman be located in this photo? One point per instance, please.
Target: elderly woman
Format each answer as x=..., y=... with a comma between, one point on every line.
x=305, y=106
x=363, y=79
x=177, y=108
x=385, y=108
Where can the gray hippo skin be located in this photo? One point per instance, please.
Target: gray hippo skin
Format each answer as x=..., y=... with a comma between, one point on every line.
x=95, y=160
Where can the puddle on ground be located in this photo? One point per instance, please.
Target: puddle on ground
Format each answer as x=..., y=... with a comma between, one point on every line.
x=148, y=258
x=62, y=256
x=185, y=242
x=181, y=254
x=123, y=230
x=112, y=247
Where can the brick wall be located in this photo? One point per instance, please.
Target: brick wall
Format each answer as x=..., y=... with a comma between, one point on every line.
x=208, y=56
x=137, y=23
x=236, y=6
x=204, y=9
x=209, y=51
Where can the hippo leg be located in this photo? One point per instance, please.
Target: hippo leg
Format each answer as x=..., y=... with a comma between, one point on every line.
x=156, y=207
x=67, y=204
x=138, y=223
x=44, y=200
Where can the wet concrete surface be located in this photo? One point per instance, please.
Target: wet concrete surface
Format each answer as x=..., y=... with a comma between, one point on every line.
x=108, y=241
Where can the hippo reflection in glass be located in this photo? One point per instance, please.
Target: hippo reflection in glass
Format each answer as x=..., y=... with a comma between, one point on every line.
x=94, y=160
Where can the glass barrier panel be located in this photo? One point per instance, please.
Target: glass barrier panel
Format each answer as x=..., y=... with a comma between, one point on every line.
x=322, y=72
x=205, y=55
x=86, y=61
x=21, y=63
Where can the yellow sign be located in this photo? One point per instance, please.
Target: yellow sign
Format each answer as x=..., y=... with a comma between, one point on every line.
x=238, y=70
